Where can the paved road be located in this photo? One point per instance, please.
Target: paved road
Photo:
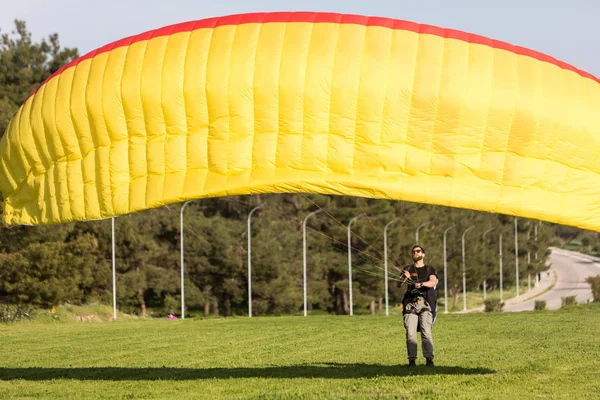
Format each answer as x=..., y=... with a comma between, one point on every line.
x=570, y=269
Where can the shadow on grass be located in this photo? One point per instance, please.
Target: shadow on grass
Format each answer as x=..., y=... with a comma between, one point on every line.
x=322, y=370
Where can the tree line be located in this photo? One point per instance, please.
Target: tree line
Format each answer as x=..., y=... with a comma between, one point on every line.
x=48, y=265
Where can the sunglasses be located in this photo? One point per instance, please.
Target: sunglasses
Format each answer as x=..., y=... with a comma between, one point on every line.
x=417, y=251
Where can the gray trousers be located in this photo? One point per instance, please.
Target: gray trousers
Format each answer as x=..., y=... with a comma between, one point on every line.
x=425, y=321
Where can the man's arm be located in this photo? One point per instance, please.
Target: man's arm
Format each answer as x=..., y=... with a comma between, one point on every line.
x=430, y=283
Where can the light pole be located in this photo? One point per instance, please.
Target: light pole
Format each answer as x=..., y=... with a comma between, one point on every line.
x=250, y=261
x=114, y=270
x=385, y=257
x=350, y=261
x=304, y=254
x=535, y=256
x=446, y=272
x=535, y=237
x=500, y=263
x=418, y=229
x=528, y=261
x=516, y=257
x=181, y=251
x=484, y=271
x=464, y=273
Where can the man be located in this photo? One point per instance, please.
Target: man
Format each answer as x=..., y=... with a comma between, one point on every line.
x=419, y=305
x=171, y=316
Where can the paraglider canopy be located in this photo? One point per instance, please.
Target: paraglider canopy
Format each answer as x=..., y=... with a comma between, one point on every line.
x=306, y=102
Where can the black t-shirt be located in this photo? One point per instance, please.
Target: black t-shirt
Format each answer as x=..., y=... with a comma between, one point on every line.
x=423, y=274
x=420, y=275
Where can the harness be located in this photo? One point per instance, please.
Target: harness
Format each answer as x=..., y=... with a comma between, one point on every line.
x=417, y=301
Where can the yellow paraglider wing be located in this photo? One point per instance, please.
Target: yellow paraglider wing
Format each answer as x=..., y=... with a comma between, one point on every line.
x=306, y=102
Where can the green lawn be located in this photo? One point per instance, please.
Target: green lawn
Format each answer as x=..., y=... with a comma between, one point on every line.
x=550, y=354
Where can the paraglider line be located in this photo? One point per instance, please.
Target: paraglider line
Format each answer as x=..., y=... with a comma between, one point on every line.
x=365, y=254
x=345, y=227
x=376, y=230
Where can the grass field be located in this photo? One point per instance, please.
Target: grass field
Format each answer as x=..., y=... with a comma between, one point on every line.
x=549, y=354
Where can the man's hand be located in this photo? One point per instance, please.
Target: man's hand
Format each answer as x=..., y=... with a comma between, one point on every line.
x=405, y=274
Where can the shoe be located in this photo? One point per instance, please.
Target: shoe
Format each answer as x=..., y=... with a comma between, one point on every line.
x=412, y=363
x=430, y=363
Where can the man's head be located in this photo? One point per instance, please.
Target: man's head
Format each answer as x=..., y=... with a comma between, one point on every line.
x=418, y=252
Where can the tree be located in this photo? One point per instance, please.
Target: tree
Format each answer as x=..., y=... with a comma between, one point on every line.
x=24, y=65
x=46, y=274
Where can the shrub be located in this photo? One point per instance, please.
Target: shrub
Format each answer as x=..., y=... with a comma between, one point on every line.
x=594, y=281
x=568, y=301
x=540, y=305
x=493, y=305
x=12, y=312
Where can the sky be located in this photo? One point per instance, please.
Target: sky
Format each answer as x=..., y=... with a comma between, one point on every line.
x=570, y=33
